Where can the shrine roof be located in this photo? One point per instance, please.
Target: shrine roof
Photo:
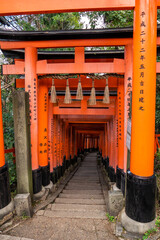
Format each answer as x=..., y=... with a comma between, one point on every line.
x=66, y=34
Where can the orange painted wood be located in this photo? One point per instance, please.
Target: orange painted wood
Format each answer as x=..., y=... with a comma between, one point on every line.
x=120, y=106
x=127, y=97
x=96, y=111
x=66, y=43
x=144, y=89
x=112, y=145
x=17, y=68
x=55, y=155
x=61, y=142
x=80, y=67
x=73, y=83
x=108, y=140
x=57, y=68
x=50, y=135
x=2, y=154
x=31, y=86
x=43, y=123
x=58, y=142
x=115, y=129
x=12, y=7
x=117, y=66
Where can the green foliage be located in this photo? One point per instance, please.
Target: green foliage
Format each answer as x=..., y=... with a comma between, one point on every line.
x=149, y=233
x=24, y=216
x=8, y=131
x=58, y=21
x=12, y=168
x=158, y=222
x=111, y=19
x=110, y=218
x=152, y=231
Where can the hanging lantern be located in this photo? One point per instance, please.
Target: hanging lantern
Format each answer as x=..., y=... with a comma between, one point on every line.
x=92, y=99
x=79, y=95
x=53, y=93
x=67, y=98
x=106, y=93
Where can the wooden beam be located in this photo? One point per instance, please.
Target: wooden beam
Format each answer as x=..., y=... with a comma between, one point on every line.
x=16, y=7
x=86, y=117
x=66, y=43
x=93, y=111
x=80, y=67
x=117, y=66
x=58, y=68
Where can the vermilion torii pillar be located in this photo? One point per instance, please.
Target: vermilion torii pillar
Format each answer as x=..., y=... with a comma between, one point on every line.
x=120, y=105
x=43, y=131
x=31, y=86
x=50, y=140
x=141, y=181
x=55, y=149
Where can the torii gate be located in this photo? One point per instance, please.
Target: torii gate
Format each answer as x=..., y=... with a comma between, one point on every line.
x=141, y=183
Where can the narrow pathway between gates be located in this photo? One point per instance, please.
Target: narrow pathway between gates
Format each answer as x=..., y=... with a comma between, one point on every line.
x=79, y=213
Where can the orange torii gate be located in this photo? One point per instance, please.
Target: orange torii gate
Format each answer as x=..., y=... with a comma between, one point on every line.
x=141, y=183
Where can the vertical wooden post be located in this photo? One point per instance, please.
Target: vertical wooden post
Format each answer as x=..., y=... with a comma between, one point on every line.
x=43, y=131
x=50, y=135
x=115, y=129
x=67, y=141
x=31, y=86
x=127, y=95
x=120, y=104
x=141, y=181
x=55, y=148
x=71, y=140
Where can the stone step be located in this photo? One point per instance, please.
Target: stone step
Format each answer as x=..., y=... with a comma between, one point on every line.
x=82, y=187
x=78, y=196
x=84, y=180
x=84, y=184
x=78, y=207
x=75, y=214
x=87, y=176
x=95, y=178
x=80, y=201
x=82, y=191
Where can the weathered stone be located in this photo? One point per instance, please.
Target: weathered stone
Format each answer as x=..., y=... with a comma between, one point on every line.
x=76, y=214
x=118, y=229
x=23, y=205
x=22, y=142
x=6, y=218
x=133, y=226
x=7, y=224
x=40, y=213
x=6, y=210
x=39, y=195
x=81, y=201
x=7, y=237
x=51, y=187
x=115, y=201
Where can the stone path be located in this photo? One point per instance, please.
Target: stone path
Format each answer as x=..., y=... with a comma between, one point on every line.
x=79, y=213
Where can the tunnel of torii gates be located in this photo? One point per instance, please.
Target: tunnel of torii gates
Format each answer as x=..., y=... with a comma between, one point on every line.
x=66, y=130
